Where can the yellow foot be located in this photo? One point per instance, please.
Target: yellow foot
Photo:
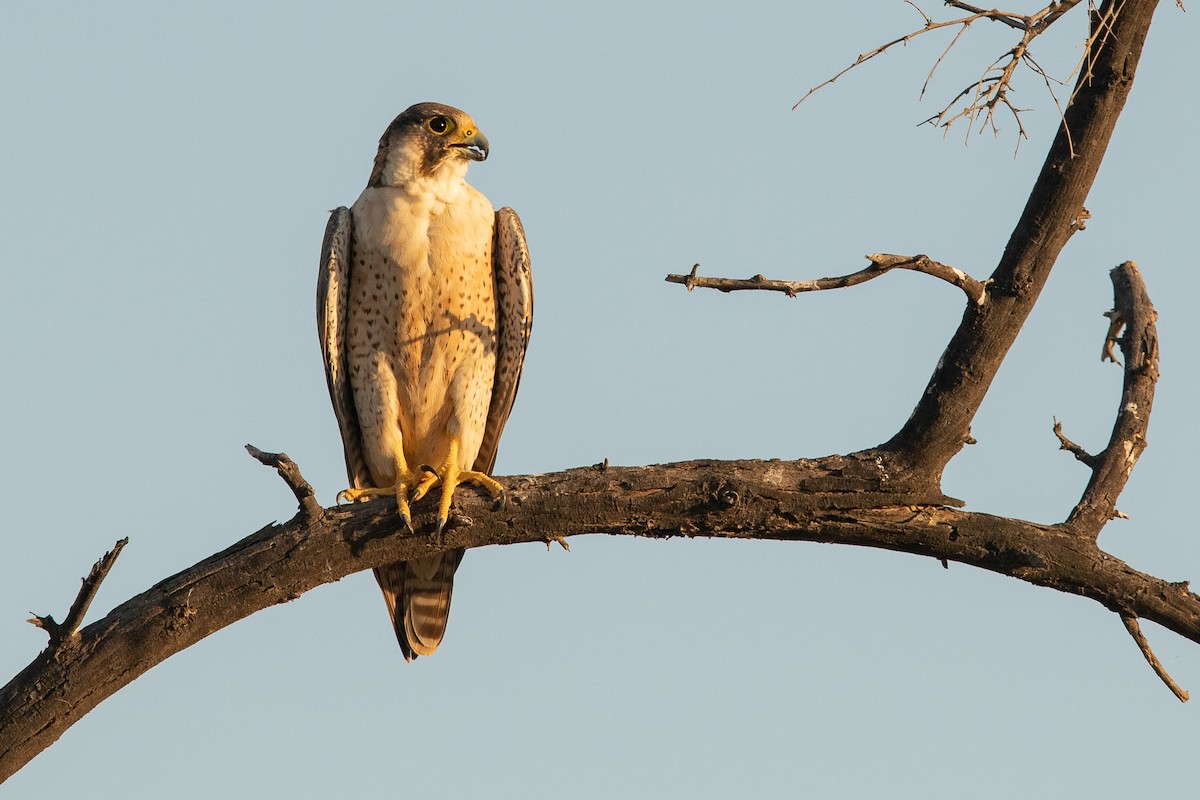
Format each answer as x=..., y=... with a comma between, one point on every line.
x=405, y=481
x=450, y=477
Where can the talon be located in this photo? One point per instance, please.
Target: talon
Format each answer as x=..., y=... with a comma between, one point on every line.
x=441, y=523
x=501, y=501
x=426, y=483
x=402, y=507
x=353, y=494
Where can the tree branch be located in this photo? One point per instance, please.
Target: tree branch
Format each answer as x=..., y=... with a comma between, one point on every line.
x=860, y=499
x=1139, y=345
x=1081, y=455
x=64, y=632
x=287, y=469
x=1135, y=630
x=881, y=263
x=990, y=90
x=942, y=418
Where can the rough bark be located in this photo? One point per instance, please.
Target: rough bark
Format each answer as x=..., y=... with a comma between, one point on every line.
x=845, y=500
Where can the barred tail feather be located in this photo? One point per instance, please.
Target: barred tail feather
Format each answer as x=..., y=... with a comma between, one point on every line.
x=418, y=594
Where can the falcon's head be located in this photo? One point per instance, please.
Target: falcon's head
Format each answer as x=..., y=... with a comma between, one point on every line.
x=427, y=141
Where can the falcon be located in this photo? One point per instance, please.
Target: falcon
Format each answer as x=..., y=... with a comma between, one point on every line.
x=424, y=309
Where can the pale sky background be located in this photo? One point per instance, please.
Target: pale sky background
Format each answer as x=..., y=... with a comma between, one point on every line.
x=166, y=175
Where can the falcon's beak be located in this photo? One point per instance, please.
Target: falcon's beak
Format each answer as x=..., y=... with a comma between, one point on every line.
x=475, y=146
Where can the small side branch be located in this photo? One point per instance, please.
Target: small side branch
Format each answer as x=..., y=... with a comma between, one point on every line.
x=881, y=263
x=287, y=469
x=1111, y=468
x=61, y=632
x=1135, y=630
x=1066, y=444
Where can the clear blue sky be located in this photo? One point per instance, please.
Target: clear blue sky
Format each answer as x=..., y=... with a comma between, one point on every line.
x=167, y=173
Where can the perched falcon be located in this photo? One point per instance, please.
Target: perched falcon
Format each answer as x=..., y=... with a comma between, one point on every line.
x=424, y=308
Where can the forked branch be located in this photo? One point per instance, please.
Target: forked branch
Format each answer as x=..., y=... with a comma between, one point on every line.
x=941, y=421
x=990, y=91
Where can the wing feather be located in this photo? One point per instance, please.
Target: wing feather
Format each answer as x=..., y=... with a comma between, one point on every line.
x=514, y=323
x=333, y=289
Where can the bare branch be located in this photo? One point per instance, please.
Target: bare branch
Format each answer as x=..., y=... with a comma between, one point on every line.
x=991, y=90
x=1066, y=444
x=883, y=48
x=1018, y=21
x=290, y=473
x=68, y=629
x=881, y=263
x=865, y=499
x=941, y=422
x=1112, y=467
x=1135, y=630
x=941, y=58
x=924, y=16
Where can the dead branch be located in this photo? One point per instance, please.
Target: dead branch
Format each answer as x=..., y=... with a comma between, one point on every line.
x=290, y=473
x=990, y=91
x=941, y=421
x=1111, y=468
x=1066, y=444
x=66, y=631
x=1135, y=630
x=881, y=263
x=865, y=499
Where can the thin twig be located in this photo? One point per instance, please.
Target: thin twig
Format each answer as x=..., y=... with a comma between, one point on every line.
x=1066, y=444
x=881, y=263
x=1100, y=28
x=991, y=90
x=287, y=469
x=941, y=58
x=1012, y=20
x=1046, y=79
x=1135, y=630
x=883, y=48
x=61, y=632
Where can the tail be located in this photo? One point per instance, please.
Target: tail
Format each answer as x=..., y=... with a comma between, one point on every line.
x=418, y=599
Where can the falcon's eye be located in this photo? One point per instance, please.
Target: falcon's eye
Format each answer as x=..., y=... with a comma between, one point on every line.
x=439, y=124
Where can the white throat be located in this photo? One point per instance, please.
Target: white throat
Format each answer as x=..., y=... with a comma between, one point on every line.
x=442, y=187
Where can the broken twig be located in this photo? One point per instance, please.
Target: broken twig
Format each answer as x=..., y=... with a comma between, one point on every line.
x=61, y=632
